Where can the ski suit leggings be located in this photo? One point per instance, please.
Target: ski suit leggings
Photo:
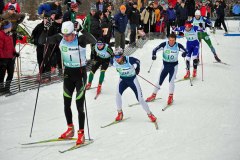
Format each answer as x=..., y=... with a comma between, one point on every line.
x=206, y=38
x=134, y=85
x=172, y=71
x=6, y=64
x=74, y=78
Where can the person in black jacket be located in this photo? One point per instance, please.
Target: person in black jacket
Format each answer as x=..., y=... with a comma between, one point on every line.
x=190, y=5
x=220, y=5
x=95, y=28
x=182, y=14
x=134, y=18
x=71, y=14
x=106, y=25
x=56, y=54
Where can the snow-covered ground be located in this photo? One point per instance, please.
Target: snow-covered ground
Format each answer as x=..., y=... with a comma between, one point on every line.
x=202, y=124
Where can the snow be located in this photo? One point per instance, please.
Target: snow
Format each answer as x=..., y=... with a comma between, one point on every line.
x=202, y=124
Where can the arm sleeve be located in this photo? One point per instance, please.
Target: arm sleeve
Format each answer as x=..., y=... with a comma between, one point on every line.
x=134, y=61
x=181, y=48
x=162, y=45
x=208, y=22
x=110, y=51
x=180, y=29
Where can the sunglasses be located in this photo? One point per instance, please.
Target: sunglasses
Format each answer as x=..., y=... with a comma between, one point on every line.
x=118, y=56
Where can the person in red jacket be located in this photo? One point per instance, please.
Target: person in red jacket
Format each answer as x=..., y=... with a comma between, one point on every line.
x=13, y=3
x=7, y=56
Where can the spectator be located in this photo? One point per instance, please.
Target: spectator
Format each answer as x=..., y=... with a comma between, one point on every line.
x=182, y=14
x=1, y=6
x=7, y=56
x=190, y=5
x=71, y=14
x=106, y=26
x=171, y=18
x=13, y=3
x=121, y=21
x=134, y=18
x=95, y=28
x=220, y=5
x=88, y=19
x=100, y=5
x=15, y=19
x=148, y=18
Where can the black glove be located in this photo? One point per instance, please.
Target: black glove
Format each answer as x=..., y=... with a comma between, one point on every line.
x=154, y=57
x=201, y=25
x=137, y=71
x=77, y=26
x=47, y=25
x=184, y=54
x=16, y=54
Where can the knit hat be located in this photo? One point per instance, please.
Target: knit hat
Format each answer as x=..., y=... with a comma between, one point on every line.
x=11, y=7
x=123, y=7
x=67, y=27
x=46, y=15
x=197, y=13
x=7, y=26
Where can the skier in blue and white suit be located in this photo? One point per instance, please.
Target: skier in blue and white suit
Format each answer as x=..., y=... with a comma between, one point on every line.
x=191, y=34
x=128, y=68
x=170, y=65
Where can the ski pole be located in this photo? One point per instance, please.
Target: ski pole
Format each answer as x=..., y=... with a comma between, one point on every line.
x=149, y=82
x=201, y=59
x=39, y=83
x=150, y=67
x=18, y=75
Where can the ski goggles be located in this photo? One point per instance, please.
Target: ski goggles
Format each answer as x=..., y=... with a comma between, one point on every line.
x=100, y=44
x=117, y=56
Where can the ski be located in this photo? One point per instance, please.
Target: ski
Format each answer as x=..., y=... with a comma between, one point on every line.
x=49, y=140
x=96, y=96
x=134, y=104
x=184, y=79
x=114, y=122
x=91, y=88
x=77, y=146
x=222, y=63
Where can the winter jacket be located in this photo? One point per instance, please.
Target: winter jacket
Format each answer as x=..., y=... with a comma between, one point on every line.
x=100, y=6
x=16, y=5
x=134, y=16
x=220, y=9
x=121, y=21
x=37, y=32
x=69, y=16
x=190, y=5
x=203, y=11
x=87, y=22
x=54, y=29
x=14, y=18
x=148, y=14
x=95, y=28
x=48, y=8
x=7, y=49
x=171, y=14
x=157, y=14
x=182, y=13
x=106, y=23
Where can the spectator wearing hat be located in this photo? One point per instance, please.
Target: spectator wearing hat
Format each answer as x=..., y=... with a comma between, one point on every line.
x=220, y=5
x=54, y=29
x=13, y=3
x=15, y=19
x=71, y=14
x=148, y=18
x=171, y=18
x=1, y=6
x=68, y=3
x=88, y=19
x=120, y=25
x=7, y=56
x=134, y=20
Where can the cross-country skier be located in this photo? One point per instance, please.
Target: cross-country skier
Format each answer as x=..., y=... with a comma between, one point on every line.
x=203, y=22
x=170, y=65
x=101, y=57
x=191, y=34
x=128, y=68
x=73, y=50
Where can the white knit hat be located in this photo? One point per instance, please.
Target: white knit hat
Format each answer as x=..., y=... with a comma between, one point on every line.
x=197, y=13
x=67, y=27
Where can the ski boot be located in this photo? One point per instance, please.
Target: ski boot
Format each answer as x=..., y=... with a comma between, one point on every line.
x=99, y=89
x=81, y=137
x=152, y=117
x=170, y=99
x=119, y=116
x=88, y=86
x=69, y=133
x=187, y=75
x=151, y=98
x=216, y=58
x=194, y=73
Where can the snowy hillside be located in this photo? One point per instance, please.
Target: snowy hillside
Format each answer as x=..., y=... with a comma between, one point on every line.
x=202, y=124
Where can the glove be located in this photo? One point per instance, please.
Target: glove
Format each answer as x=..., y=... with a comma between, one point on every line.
x=184, y=54
x=154, y=57
x=137, y=71
x=78, y=26
x=16, y=54
x=201, y=25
